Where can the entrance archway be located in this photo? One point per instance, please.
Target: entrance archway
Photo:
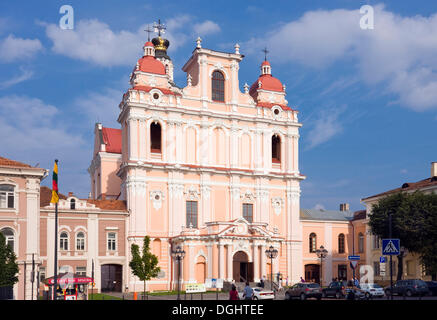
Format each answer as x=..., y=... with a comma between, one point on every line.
x=312, y=273
x=242, y=268
x=111, y=277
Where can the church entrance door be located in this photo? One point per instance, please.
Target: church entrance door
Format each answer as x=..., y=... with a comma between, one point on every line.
x=242, y=268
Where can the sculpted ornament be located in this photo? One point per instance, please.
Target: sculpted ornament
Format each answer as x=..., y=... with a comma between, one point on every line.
x=156, y=197
x=277, y=204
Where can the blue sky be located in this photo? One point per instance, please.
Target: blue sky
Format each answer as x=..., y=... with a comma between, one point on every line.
x=367, y=98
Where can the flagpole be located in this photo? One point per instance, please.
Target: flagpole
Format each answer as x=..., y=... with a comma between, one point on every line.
x=55, y=285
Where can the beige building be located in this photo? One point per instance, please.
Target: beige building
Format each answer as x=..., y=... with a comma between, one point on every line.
x=412, y=268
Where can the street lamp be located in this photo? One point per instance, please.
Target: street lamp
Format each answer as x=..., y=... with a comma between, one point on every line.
x=271, y=253
x=178, y=254
x=321, y=253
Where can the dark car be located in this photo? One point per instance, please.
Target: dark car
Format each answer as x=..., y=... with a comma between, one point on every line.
x=409, y=288
x=335, y=289
x=303, y=291
x=432, y=287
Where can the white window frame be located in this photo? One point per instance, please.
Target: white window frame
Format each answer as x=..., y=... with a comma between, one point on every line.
x=9, y=237
x=113, y=243
x=61, y=247
x=82, y=271
x=83, y=240
x=7, y=194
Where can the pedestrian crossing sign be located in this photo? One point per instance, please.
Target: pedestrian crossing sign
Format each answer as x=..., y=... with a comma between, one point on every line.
x=391, y=247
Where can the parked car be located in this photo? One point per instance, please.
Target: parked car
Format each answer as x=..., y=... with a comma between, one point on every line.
x=372, y=290
x=259, y=294
x=432, y=287
x=409, y=288
x=303, y=291
x=335, y=289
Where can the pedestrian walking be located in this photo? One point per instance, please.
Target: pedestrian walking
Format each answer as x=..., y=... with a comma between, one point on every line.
x=248, y=292
x=233, y=294
x=261, y=282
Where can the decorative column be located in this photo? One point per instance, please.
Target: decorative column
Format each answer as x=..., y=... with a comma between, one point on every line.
x=210, y=260
x=221, y=260
x=191, y=262
x=230, y=264
x=256, y=262
x=263, y=261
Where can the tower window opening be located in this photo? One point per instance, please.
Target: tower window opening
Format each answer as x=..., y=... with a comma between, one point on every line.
x=276, y=149
x=218, y=86
x=155, y=138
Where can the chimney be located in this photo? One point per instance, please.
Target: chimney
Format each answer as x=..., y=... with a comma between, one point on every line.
x=433, y=169
x=344, y=206
x=70, y=194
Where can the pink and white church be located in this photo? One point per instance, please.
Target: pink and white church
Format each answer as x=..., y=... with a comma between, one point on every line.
x=205, y=167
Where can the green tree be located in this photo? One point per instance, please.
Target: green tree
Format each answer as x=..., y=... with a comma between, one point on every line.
x=8, y=264
x=414, y=222
x=145, y=265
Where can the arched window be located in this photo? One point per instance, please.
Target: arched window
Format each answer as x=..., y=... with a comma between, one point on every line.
x=276, y=149
x=313, y=242
x=73, y=204
x=341, y=243
x=6, y=196
x=80, y=241
x=63, y=241
x=155, y=137
x=10, y=237
x=218, y=86
x=360, y=242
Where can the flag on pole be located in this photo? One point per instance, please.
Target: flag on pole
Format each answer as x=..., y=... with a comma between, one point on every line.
x=55, y=196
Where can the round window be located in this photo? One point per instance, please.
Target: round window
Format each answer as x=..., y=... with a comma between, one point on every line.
x=157, y=197
x=276, y=111
x=156, y=96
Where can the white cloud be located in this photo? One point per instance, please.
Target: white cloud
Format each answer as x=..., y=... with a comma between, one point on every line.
x=101, y=107
x=319, y=207
x=36, y=132
x=94, y=41
x=206, y=27
x=12, y=48
x=325, y=127
x=399, y=53
x=25, y=74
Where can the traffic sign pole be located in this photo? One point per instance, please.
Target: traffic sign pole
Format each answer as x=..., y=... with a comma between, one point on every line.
x=391, y=263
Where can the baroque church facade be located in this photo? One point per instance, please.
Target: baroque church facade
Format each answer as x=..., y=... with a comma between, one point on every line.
x=205, y=167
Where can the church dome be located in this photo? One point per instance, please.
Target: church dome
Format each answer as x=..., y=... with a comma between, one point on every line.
x=150, y=64
x=266, y=81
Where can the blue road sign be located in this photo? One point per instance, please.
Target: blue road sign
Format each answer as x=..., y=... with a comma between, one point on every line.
x=382, y=259
x=352, y=258
x=391, y=247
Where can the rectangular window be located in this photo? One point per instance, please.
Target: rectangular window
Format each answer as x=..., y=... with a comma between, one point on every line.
x=248, y=212
x=342, y=272
x=191, y=214
x=63, y=244
x=42, y=274
x=112, y=241
x=376, y=270
x=6, y=196
x=81, y=271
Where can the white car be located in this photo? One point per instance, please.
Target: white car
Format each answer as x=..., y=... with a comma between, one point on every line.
x=259, y=294
x=372, y=290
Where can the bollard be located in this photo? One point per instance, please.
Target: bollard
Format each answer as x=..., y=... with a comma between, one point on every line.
x=135, y=295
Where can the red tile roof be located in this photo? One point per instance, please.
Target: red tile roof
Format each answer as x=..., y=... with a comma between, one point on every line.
x=45, y=196
x=409, y=186
x=150, y=64
x=147, y=89
x=12, y=163
x=270, y=105
x=112, y=139
x=268, y=82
